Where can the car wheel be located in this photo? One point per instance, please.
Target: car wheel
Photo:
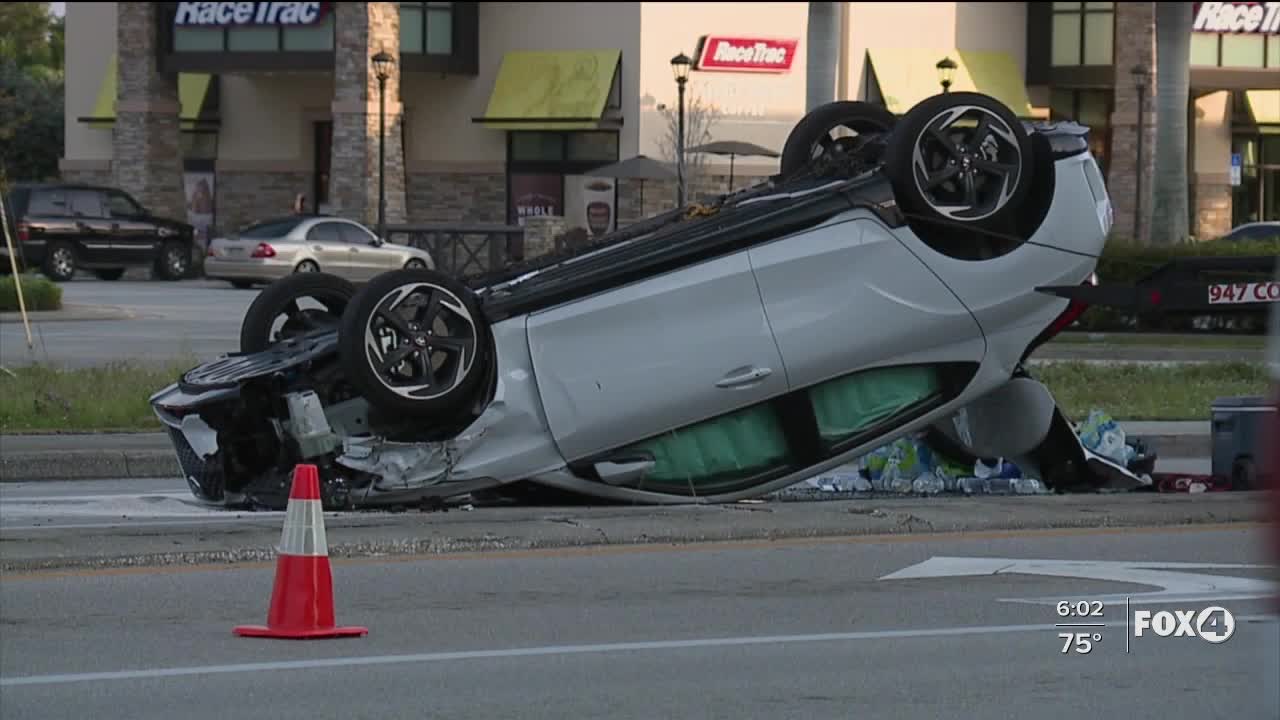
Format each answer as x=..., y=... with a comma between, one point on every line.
x=60, y=261
x=415, y=264
x=829, y=126
x=962, y=160
x=279, y=302
x=1244, y=475
x=415, y=342
x=241, y=284
x=174, y=262
x=307, y=266
x=110, y=274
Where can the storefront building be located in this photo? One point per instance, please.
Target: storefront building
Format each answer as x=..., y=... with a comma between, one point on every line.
x=224, y=112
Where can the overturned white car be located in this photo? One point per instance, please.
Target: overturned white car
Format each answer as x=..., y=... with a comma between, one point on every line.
x=892, y=278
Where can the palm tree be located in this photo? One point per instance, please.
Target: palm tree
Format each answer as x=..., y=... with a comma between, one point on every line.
x=1169, y=211
x=822, y=57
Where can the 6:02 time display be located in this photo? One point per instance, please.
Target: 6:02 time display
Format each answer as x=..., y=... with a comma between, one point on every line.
x=1082, y=608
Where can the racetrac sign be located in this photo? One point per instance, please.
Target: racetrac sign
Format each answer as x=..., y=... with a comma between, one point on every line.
x=228, y=14
x=1261, y=18
x=720, y=53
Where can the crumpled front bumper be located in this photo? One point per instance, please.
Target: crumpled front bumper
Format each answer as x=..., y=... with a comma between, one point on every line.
x=194, y=442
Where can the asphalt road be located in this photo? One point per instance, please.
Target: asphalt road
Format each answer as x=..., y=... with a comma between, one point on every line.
x=202, y=318
x=197, y=317
x=699, y=631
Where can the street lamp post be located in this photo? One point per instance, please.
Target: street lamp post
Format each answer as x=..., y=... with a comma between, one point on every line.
x=1140, y=75
x=382, y=64
x=680, y=66
x=946, y=73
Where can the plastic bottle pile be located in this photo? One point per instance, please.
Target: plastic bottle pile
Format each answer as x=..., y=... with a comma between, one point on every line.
x=909, y=467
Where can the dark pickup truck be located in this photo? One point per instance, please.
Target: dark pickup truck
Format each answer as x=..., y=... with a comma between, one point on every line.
x=62, y=228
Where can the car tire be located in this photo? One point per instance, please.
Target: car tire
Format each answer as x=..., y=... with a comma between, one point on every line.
x=109, y=274
x=60, y=261
x=939, y=178
x=371, y=322
x=1244, y=474
x=330, y=291
x=174, y=262
x=306, y=266
x=812, y=135
x=415, y=264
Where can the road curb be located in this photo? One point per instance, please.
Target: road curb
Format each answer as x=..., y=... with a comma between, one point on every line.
x=145, y=464
x=72, y=313
x=87, y=465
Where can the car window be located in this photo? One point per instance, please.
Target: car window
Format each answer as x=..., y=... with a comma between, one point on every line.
x=48, y=202
x=1262, y=232
x=85, y=203
x=354, y=234
x=121, y=206
x=324, y=232
x=271, y=228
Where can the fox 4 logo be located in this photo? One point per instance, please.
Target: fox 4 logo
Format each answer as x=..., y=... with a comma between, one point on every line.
x=1213, y=624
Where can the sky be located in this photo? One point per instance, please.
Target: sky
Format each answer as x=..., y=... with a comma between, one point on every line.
x=59, y=9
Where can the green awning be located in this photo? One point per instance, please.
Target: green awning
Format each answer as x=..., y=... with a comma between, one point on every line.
x=1264, y=105
x=905, y=76
x=197, y=94
x=553, y=90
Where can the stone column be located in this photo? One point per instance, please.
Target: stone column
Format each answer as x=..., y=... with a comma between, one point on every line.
x=1135, y=24
x=147, y=152
x=361, y=30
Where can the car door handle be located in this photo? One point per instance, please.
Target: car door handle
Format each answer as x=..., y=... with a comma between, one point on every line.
x=743, y=376
x=355, y=250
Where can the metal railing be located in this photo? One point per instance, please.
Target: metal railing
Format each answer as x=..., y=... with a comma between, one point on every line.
x=463, y=250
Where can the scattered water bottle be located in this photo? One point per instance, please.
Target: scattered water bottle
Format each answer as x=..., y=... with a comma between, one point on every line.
x=983, y=471
x=927, y=484
x=972, y=486
x=999, y=485
x=1196, y=487
x=901, y=484
x=861, y=484
x=1029, y=486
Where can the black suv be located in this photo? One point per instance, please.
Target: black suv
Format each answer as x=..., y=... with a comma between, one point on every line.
x=61, y=228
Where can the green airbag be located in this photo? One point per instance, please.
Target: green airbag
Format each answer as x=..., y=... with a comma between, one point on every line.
x=851, y=404
x=739, y=445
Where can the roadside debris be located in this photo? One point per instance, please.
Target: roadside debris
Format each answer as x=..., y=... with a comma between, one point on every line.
x=910, y=467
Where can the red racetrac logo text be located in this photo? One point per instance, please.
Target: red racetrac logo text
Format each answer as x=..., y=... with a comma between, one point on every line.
x=737, y=54
x=1237, y=17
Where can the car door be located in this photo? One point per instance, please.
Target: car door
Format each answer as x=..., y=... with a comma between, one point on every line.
x=133, y=238
x=654, y=356
x=366, y=256
x=324, y=241
x=848, y=296
x=95, y=230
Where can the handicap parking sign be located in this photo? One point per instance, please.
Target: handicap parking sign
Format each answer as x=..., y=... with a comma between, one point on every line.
x=1236, y=166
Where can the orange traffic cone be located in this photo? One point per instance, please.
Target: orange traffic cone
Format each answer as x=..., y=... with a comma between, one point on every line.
x=302, y=599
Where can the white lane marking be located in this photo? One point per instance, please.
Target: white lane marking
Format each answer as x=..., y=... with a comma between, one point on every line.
x=346, y=662
x=513, y=652
x=141, y=523
x=1172, y=578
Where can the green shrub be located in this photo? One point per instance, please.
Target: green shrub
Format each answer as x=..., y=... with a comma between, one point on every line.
x=1123, y=263
x=38, y=292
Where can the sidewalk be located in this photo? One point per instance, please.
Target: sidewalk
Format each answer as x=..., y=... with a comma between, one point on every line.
x=29, y=458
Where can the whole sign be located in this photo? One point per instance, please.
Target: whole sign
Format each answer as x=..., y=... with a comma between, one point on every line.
x=1237, y=17
x=737, y=54
x=225, y=14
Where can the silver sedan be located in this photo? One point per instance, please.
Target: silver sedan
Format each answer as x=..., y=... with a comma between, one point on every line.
x=274, y=248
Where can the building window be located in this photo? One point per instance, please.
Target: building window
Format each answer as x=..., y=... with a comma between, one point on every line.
x=426, y=27
x=1091, y=108
x=1235, y=50
x=1083, y=33
x=548, y=174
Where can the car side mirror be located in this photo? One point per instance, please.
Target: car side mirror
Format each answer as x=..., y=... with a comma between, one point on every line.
x=376, y=242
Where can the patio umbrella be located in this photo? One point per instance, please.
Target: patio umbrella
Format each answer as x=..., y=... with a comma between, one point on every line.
x=733, y=148
x=640, y=167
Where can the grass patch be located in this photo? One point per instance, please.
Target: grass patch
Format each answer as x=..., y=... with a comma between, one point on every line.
x=103, y=399
x=1164, y=340
x=39, y=293
x=1138, y=392
x=114, y=397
